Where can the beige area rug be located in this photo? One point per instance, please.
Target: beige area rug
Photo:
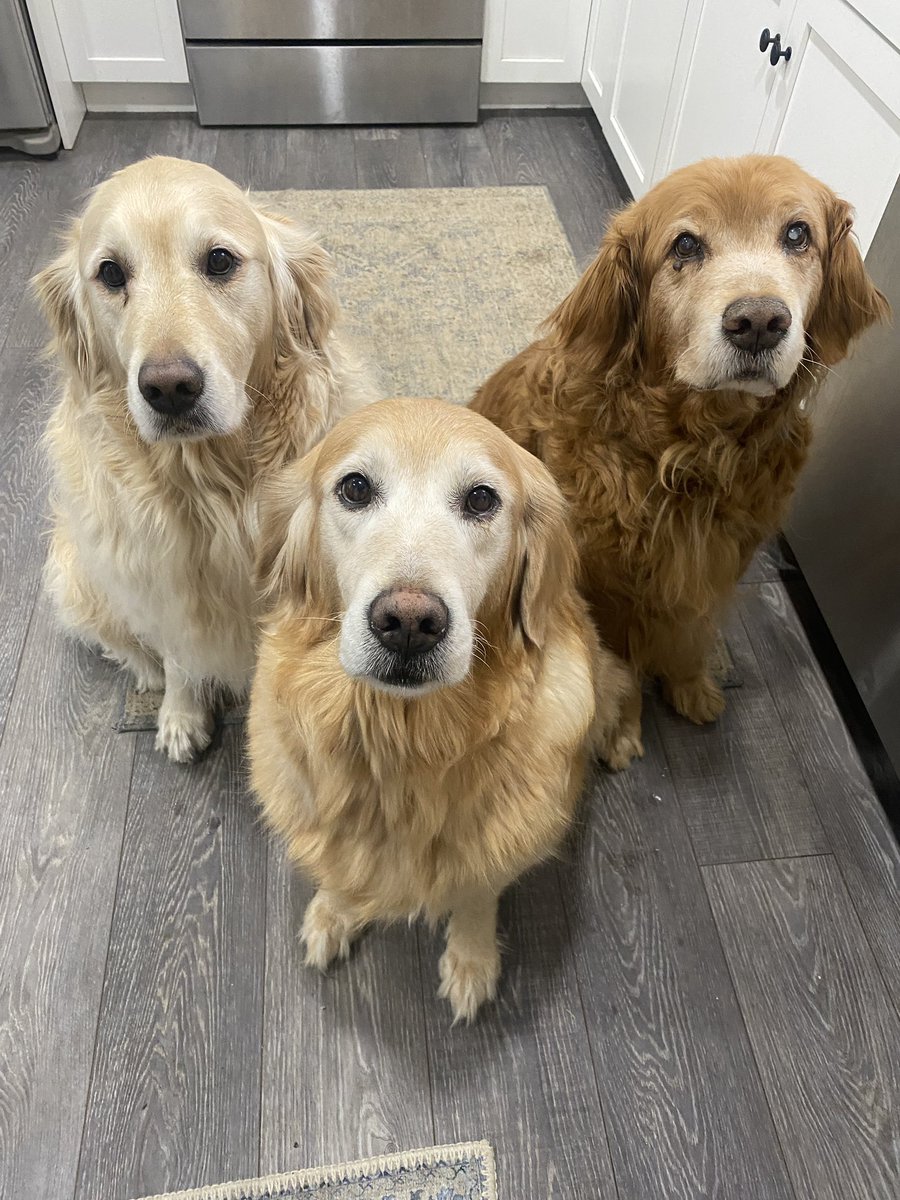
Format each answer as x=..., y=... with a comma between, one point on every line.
x=439, y=286
x=464, y=1172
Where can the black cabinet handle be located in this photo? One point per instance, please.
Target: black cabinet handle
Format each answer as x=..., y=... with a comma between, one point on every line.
x=766, y=40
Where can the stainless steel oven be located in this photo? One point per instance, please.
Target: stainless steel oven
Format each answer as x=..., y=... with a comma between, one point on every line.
x=334, y=62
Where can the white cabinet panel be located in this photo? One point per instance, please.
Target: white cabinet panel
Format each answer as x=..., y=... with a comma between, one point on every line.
x=629, y=67
x=109, y=41
x=722, y=81
x=837, y=108
x=532, y=41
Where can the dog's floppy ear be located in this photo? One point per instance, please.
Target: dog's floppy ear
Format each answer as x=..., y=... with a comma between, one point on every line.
x=602, y=314
x=58, y=289
x=849, y=302
x=301, y=270
x=546, y=553
x=286, y=536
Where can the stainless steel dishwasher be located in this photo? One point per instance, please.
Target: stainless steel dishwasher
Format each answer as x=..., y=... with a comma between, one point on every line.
x=844, y=525
x=334, y=62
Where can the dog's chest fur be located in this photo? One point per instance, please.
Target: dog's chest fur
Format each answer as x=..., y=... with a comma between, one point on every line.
x=398, y=805
x=164, y=534
x=669, y=511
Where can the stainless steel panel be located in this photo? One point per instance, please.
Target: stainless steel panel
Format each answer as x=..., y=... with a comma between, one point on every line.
x=21, y=91
x=335, y=85
x=844, y=525
x=332, y=20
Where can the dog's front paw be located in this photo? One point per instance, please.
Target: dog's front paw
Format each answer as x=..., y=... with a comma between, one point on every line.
x=622, y=746
x=467, y=981
x=148, y=678
x=700, y=699
x=183, y=735
x=326, y=933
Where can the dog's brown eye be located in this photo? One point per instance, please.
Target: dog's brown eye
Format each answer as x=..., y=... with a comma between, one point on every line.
x=481, y=501
x=219, y=261
x=355, y=490
x=111, y=274
x=796, y=236
x=686, y=246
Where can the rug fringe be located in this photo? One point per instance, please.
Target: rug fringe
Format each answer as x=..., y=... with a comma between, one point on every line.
x=267, y=1186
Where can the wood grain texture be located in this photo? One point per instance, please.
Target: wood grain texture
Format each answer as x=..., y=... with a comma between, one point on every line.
x=345, y=1073
x=521, y=1075
x=320, y=158
x=857, y=828
x=477, y=164
x=740, y=788
x=24, y=404
x=63, y=793
x=443, y=155
x=390, y=158
x=585, y=190
x=770, y=563
x=174, y=1099
x=22, y=206
x=684, y=1106
x=254, y=157
x=826, y=1038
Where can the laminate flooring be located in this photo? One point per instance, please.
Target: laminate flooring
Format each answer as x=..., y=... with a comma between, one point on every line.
x=699, y=1000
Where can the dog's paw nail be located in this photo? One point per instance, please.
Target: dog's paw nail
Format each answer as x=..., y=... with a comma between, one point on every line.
x=467, y=983
x=183, y=736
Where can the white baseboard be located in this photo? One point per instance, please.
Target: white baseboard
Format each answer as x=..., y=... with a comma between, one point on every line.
x=139, y=97
x=532, y=95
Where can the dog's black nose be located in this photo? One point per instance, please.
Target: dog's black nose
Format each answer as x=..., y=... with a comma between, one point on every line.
x=408, y=621
x=171, y=385
x=756, y=323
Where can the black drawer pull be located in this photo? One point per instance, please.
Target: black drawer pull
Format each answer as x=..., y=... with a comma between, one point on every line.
x=766, y=40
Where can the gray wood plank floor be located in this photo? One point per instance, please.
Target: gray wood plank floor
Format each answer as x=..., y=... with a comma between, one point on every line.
x=701, y=998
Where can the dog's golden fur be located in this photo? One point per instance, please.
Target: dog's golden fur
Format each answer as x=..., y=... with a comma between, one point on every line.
x=673, y=483
x=152, y=542
x=431, y=804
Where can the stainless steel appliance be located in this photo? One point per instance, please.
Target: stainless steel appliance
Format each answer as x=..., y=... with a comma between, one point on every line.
x=26, y=116
x=844, y=525
x=334, y=62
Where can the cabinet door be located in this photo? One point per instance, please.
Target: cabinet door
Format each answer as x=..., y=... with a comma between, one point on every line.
x=722, y=81
x=531, y=41
x=629, y=67
x=107, y=41
x=836, y=109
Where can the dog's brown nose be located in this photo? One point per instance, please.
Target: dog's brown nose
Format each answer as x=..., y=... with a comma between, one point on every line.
x=171, y=385
x=408, y=621
x=756, y=323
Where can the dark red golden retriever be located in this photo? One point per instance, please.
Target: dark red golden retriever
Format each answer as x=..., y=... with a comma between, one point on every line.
x=668, y=396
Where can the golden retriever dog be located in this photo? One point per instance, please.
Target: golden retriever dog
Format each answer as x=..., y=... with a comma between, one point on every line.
x=429, y=682
x=668, y=397
x=196, y=334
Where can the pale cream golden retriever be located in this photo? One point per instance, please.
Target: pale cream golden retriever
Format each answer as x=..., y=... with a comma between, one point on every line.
x=668, y=396
x=196, y=334
x=429, y=682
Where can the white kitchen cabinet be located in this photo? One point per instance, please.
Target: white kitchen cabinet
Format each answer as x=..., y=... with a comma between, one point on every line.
x=836, y=109
x=629, y=65
x=108, y=41
x=678, y=82
x=722, y=81
x=531, y=41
